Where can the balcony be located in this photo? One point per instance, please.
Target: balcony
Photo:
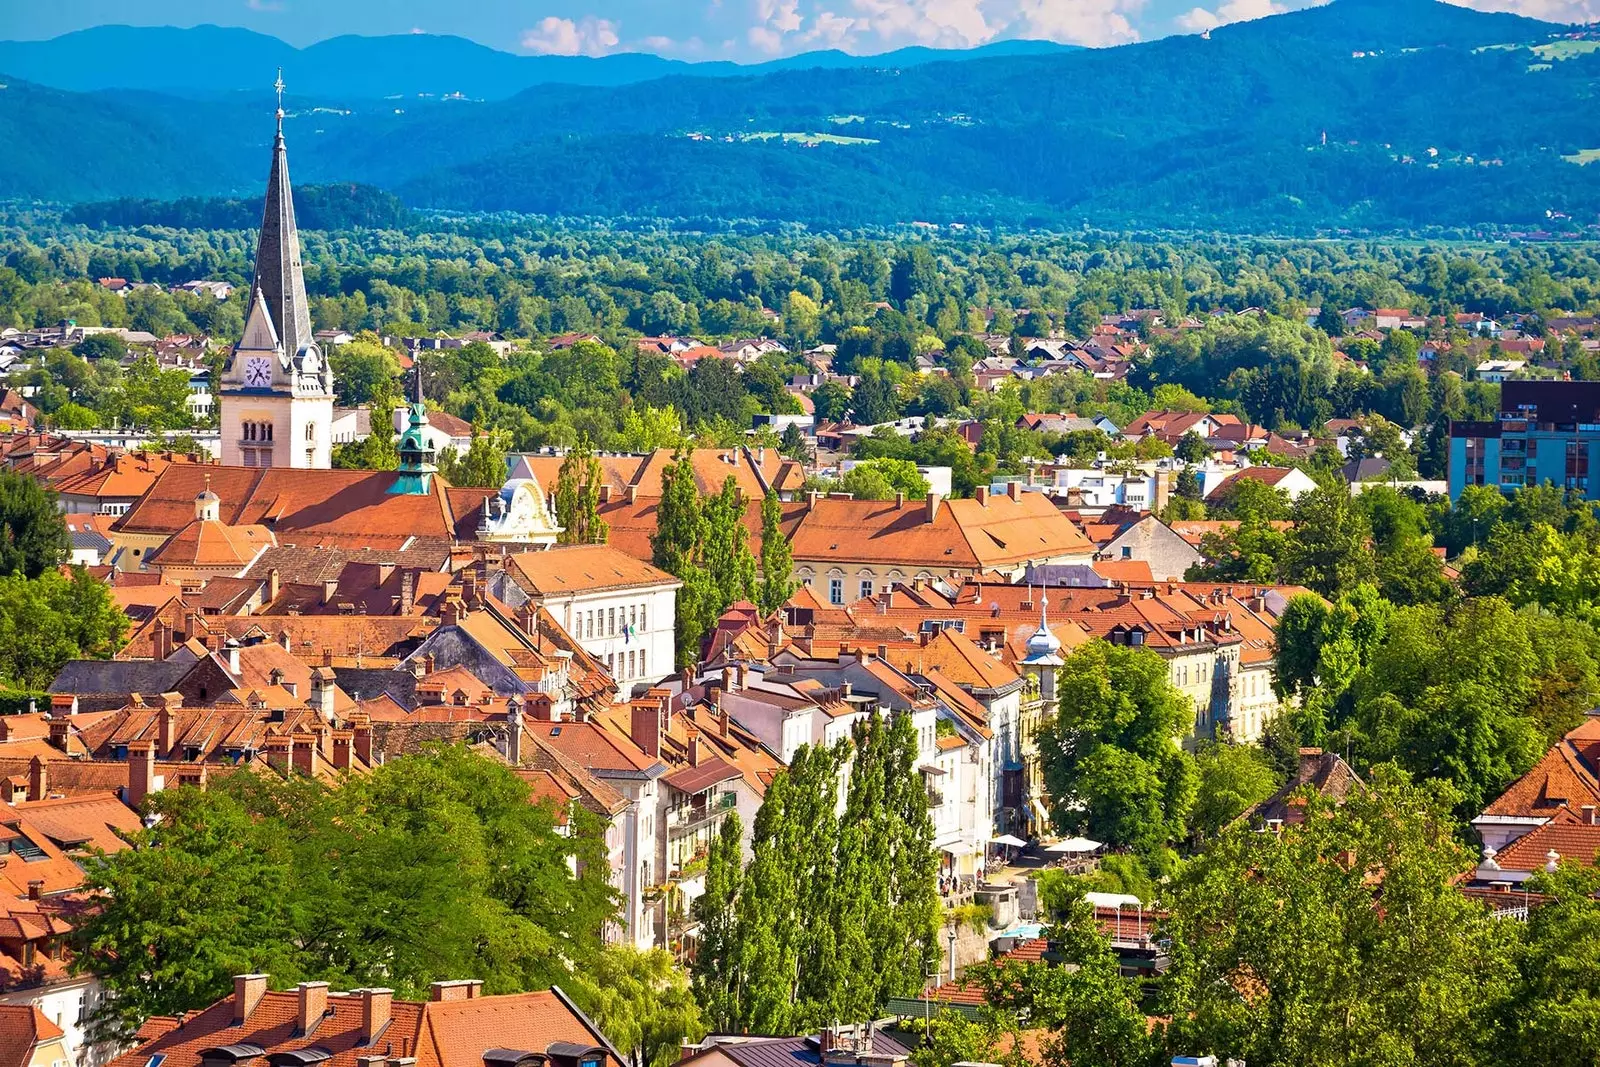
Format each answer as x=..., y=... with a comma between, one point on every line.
x=691, y=817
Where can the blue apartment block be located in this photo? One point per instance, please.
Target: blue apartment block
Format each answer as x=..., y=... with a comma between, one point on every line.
x=1547, y=432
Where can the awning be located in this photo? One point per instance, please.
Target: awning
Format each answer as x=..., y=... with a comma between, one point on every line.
x=1076, y=844
x=1038, y=809
x=1008, y=839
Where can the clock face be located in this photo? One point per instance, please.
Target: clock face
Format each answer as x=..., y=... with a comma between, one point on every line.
x=258, y=371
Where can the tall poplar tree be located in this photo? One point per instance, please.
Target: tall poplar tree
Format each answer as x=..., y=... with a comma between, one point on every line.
x=716, y=973
x=578, y=498
x=777, y=557
x=836, y=913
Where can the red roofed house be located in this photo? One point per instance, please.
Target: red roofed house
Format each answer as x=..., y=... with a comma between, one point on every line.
x=849, y=549
x=313, y=1027
x=29, y=1039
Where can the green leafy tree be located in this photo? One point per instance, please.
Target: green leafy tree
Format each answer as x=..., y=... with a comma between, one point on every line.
x=1327, y=548
x=777, y=557
x=377, y=452
x=48, y=620
x=483, y=466
x=725, y=551
x=578, y=499
x=881, y=479
x=365, y=373
x=1341, y=940
x=33, y=536
x=1111, y=759
x=642, y=1002
x=1550, y=1020
x=433, y=865
x=717, y=974
x=1232, y=779
x=1091, y=1011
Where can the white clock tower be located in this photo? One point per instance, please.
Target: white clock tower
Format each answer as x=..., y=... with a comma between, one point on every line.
x=277, y=395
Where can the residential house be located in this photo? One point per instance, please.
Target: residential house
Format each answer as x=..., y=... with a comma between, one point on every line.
x=847, y=549
x=458, y=1026
x=622, y=610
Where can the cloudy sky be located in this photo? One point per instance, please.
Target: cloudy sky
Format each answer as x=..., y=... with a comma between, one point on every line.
x=745, y=30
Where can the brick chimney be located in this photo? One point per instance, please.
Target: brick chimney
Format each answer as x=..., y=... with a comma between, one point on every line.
x=280, y=753
x=375, y=1005
x=694, y=751
x=60, y=731
x=460, y=989
x=514, y=731
x=248, y=989
x=63, y=704
x=931, y=513
x=303, y=756
x=1014, y=490
x=164, y=730
x=646, y=724
x=313, y=1005
x=38, y=779
x=361, y=726
x=342, y=740
x=141, y=771
x=322, y=690
x=408, y=592
x=274, y=584
x=981, y=495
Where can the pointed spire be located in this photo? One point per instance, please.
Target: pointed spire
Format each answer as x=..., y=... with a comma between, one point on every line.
x=278, y=85
x=279, y=286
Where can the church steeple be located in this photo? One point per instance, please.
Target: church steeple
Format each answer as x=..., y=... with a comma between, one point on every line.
x=277, y=396
x=280, y=285
x=417, y=453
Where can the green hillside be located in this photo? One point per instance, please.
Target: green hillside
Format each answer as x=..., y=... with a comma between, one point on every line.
x=1397, y=114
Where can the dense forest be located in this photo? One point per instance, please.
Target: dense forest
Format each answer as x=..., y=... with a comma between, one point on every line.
x=1354, y=115
x=881, y=299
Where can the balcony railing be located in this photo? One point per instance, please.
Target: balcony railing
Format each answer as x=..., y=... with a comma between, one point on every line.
x=691, y=817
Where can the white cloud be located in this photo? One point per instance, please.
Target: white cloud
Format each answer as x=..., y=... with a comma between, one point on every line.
x=563, y=37
x=1231, y=11
x=1549, y=10
x=879, y=25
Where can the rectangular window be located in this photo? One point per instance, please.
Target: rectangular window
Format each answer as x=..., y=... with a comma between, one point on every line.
x=836, y=590
x=642, y=668
x=866, y=588
x=641, y=616
x=611, y=622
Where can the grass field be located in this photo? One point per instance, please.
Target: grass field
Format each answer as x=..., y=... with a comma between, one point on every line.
x=806, y=138
x=1558, y=50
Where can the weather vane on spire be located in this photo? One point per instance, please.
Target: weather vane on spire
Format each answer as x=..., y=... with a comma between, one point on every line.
x=278, y=85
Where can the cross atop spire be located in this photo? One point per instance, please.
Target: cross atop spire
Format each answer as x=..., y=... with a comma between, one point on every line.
x=278, y=85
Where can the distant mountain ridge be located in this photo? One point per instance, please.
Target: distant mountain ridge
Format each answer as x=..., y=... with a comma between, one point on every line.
x=1384, y=114
x=207, y=60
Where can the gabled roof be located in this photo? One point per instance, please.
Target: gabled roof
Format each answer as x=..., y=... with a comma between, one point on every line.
x=583, y=569
x=440, y=1033
x=22, y=1028
x=305, y=507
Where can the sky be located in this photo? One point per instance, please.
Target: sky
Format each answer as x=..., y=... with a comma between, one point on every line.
x=741, y=30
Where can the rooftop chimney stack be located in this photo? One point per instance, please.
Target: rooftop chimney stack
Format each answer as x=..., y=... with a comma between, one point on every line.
x=934, y=500
x=375, y=1005
x=248, y=989
x=141, y=771
x=313, y=1004
x=39, y=780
